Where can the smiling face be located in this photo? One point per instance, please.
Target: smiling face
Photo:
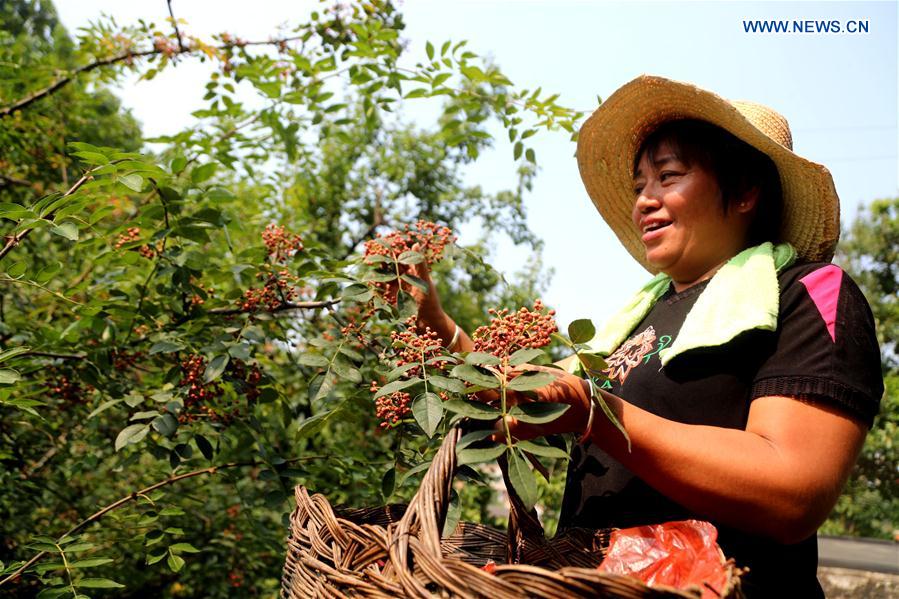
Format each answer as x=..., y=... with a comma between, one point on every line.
x=679, y=213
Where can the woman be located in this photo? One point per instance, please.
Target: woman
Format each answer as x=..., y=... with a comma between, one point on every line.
x=747, y=372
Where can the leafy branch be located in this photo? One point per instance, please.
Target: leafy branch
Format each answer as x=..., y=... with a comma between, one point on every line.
x=142, y=493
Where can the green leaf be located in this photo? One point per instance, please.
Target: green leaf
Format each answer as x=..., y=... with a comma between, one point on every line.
x=429, y=48
x=9, y=376
x=98, y=583
x=103, y=407
x=202, y=173
x=427, y=409
x=15, y=211
x=204, y=446
x=415, y=282
x=313, y=360
x=401, y=370
x=17, y=270
x=538, y=413
x=523, y=356
x=152, y=559
x=134, y=182
x=13, y=352
x=68, y=230
x=175, y=562
x=453, y=514
x=480, y=454
x=471, y=409
x=48, y=272
x=411, y=257
x=593, y=363
x=473, y=437
x=545, y=451
x=529, y=382
x=131, y=434
x=482, y=359
x=472, y=375
x=53, y=593
x=451, y=385
x=581, y=330
x=388, y=483
x=183, y=548
x=91, y=562
x=597, y=397
x=216, y=367
x=166, y=424
x=522, y=479
x=395, y=386
x=165, y=347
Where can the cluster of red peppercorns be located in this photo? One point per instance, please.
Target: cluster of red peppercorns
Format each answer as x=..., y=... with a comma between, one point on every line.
x=510, y=331
x=281, y=244
x=197, y=300
x=235, y=578
x=415, y=347
x=430, y=237
x=431, y=240
x=164, y=45
x=278, y=289
x=130, y=235
x=66, y=389
x=199, y=394
x=123, y=360
x=204, y=399
x=248, y=376
x=390, y=409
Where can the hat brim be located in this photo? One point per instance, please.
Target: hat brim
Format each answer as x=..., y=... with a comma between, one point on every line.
x=608, y=142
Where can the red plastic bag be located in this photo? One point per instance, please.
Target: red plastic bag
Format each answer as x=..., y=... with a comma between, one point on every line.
x=676, y=554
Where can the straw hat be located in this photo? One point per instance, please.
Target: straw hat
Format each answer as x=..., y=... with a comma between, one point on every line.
x=611, y=137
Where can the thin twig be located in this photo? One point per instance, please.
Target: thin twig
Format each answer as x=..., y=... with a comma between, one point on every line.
x=281, y=308
x=134, y=495
x=9, y=179
x=175, y=25
x=125, y=56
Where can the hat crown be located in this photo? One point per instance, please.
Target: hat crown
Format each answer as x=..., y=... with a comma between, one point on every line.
x=767, y=120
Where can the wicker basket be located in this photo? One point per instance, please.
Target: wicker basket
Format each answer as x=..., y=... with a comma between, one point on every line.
x=394, y=551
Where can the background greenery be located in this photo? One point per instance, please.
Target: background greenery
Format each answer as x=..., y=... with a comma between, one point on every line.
x=96, y=321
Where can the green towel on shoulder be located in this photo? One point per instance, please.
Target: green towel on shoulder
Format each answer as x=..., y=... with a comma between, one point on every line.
x=743, y=295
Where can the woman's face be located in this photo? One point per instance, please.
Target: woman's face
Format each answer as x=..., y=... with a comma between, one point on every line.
x=678, y=212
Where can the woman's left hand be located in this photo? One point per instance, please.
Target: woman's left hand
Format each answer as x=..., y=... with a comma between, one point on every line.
x=566, y=389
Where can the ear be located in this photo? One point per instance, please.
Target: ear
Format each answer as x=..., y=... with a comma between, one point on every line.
x=747, y=202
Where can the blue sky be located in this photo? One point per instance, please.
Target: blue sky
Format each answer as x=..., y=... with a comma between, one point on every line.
x=838, y=91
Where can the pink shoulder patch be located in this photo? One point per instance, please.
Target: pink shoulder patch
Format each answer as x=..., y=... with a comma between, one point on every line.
x=823, y=286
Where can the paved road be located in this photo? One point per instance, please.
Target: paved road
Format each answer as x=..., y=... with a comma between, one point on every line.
x=859, y=554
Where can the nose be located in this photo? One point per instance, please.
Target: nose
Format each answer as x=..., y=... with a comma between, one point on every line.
x=646, y=201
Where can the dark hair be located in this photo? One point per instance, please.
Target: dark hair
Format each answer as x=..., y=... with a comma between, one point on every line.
x=737, y=166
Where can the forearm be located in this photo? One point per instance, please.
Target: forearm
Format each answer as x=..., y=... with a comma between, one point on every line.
x=733, y=476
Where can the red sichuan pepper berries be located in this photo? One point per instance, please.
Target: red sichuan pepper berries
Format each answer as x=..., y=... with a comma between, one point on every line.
x=509, y=332
x=431, y=240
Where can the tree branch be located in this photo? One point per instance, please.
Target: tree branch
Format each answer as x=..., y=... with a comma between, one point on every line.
x=110, y=60
x=175, y=25
x=281, y=308
x=134, y=495
x=13, y=240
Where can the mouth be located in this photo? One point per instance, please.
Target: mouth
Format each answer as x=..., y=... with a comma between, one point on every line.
x=653, y=228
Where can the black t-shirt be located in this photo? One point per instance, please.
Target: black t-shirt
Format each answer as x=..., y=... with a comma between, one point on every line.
x=824, y=349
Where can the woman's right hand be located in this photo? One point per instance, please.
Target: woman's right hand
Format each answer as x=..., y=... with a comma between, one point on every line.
x=430, y=309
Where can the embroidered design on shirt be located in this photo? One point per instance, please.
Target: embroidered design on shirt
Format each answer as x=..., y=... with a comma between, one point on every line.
x=629, y=355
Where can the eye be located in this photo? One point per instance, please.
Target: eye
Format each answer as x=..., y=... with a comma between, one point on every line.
x=638, y=189
x=664, y=175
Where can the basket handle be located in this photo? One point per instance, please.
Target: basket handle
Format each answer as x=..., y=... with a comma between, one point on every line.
x=426, y=513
